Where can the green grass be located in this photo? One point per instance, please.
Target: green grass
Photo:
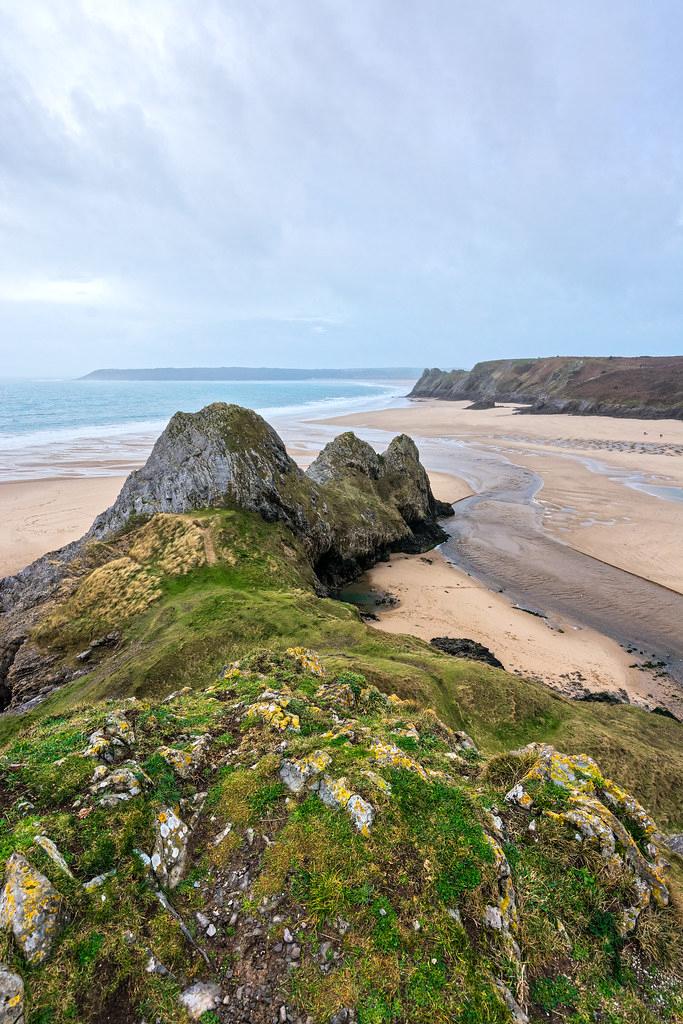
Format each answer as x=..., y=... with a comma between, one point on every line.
x=404, y=957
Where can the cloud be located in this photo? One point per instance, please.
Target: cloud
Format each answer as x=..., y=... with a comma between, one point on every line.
x=431, y=182
x=87, y=293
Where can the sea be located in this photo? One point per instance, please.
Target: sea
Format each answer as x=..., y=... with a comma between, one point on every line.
x=55, y=428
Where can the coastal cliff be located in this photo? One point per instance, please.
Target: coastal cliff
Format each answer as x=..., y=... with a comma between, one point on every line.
x=644, y=387
x=226, y=798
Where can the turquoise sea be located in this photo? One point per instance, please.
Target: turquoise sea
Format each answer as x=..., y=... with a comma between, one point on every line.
x=92, y=427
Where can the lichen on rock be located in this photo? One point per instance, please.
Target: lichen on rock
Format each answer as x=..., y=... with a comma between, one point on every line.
x=11, y=996
x=30, y=907
x=169, y=857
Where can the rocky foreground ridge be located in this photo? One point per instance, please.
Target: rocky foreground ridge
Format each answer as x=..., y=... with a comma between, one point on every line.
x=645, y=387
x=350, y=508
x=291, y=844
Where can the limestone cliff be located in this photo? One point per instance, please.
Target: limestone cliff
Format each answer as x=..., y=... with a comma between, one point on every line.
x=646, y=387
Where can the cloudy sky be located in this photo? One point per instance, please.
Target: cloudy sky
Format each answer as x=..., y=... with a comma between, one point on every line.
x=338, y=182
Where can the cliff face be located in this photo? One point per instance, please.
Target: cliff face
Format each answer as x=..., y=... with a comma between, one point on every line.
x=646, y=387
x=351, y=508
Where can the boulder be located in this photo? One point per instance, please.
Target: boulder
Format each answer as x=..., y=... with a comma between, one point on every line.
x=11, y=997
x=335, y=793
x=113, y=742
x=298, y=772
x=30, y=906
x=117, y=785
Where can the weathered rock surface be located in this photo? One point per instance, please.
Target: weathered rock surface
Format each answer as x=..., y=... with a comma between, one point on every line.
x=604, y=815
x=169, y=858
x=11, y=997
x=351, y=507
x=30, y=907
x=461, y=647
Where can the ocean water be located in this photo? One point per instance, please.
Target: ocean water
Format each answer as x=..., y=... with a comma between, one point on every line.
x=89, y=427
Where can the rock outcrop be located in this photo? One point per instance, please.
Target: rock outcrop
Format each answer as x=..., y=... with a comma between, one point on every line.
x=461, y=647
x=347, y=850
x=351, y=507
x=646, y=387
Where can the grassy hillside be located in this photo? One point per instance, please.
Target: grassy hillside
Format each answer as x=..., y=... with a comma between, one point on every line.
x=296, y=898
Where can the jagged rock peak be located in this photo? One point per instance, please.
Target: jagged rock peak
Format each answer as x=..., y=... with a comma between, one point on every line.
x=346, y=453
x=223, y=454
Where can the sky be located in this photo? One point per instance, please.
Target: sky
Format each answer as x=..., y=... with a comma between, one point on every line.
x=338, y=183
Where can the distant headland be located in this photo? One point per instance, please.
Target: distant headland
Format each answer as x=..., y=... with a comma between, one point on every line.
x=255, y=373
x=644, y=387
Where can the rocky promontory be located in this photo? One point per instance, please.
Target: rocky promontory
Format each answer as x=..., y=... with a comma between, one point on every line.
x=644, y=387
x=352, y=507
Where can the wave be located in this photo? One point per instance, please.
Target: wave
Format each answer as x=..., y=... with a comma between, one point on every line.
x=115, y=448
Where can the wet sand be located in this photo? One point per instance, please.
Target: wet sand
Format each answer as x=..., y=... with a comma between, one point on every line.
x=550, y=528
x=438, y=599
x=582, y=463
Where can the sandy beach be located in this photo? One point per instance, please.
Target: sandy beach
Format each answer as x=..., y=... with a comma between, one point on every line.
x=42, y=515
x=582, y=461
x=438, y=599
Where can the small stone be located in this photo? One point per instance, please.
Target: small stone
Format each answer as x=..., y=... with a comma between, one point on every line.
x=200, y=998
x=98, y=880
x=222, y=834
x=493, y=918
x=170, y=850
x=287, y=935
x=53, y=853
x=211, y=930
